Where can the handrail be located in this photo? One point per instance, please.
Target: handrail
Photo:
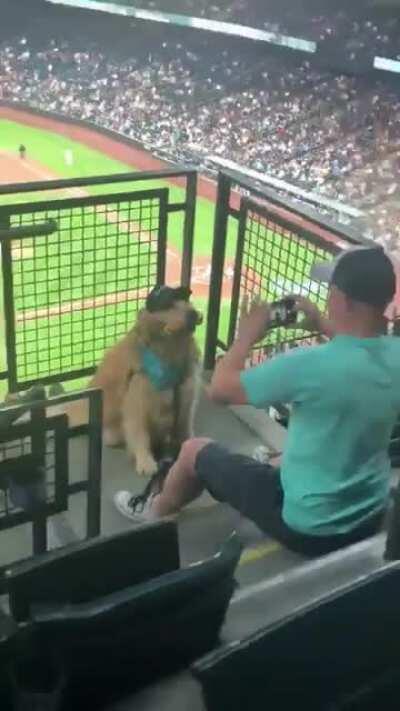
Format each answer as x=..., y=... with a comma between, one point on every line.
x=110, y=179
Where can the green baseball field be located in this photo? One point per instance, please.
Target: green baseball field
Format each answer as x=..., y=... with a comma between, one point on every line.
x=89, y=263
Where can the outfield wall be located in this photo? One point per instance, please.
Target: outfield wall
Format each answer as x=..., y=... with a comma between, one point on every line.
x=104, y=140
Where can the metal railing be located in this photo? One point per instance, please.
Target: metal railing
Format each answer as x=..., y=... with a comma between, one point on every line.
x=263, y=246
x=35, y=474
x=76, y=270
x=77, y=267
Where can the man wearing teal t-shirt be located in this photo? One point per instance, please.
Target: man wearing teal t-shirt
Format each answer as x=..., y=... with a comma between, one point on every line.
x=334, y=481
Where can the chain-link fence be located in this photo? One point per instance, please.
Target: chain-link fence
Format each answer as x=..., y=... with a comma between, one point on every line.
x=263, y=249
x=77, y=270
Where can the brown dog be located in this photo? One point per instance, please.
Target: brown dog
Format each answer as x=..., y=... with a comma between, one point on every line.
x=148, y=379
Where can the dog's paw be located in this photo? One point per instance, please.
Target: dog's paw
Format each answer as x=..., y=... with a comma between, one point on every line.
x=146, y=465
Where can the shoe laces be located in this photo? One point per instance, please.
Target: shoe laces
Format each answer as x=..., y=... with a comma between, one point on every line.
x=137, y=502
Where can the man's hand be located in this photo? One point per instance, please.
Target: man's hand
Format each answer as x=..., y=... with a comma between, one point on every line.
x=253, y=322
x=313, y=318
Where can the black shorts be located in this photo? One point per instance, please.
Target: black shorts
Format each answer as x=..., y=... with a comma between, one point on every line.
x=255, y=490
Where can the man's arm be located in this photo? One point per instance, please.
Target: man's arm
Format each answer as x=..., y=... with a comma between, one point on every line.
x=225, y=384
x=279, y=380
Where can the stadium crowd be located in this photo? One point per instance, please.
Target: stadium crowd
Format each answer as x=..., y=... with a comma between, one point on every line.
x=335, y=134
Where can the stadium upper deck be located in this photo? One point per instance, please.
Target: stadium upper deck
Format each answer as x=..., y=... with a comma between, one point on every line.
x=333, y=133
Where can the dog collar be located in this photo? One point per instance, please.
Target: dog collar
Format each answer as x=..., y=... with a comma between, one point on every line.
x=162, y=376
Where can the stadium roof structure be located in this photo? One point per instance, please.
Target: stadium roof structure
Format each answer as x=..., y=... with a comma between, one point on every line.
x=199, y=23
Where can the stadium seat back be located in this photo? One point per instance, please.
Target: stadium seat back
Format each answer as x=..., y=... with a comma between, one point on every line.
x=93, y=568
x=128, y=638
x=379, y=692
x=7, y=651
x=312, y=657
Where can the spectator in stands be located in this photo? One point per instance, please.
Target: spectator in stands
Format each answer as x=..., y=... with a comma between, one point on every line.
x=188, y=103
x=191, y=97
x=333, y=486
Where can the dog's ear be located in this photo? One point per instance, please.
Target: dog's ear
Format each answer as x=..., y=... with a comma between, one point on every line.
x=182, y=293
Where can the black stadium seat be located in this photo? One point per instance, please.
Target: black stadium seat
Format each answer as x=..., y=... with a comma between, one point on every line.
x=112, y=632
x=332, y=655
x=379, y=692
x=93, y=568
x=7, y=650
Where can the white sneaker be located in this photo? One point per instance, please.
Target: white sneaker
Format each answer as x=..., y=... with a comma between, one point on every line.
x=262, y=454
x=134, y=508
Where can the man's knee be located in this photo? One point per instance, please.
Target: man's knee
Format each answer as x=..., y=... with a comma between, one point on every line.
x=190, y=451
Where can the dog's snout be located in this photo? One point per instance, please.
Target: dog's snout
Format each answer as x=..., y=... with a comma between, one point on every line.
x=193, y=319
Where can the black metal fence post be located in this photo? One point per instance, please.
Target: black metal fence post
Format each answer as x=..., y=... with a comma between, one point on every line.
x=188, y=229
x=217, y=268
x=39, y=522
x=162, y=238
x=94, y=465
x=8, y=302
x=237, y=277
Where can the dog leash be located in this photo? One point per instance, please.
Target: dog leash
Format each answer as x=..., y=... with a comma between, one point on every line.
x=156, y=482
x=155, y=485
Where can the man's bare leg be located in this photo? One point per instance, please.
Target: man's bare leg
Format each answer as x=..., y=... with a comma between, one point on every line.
x=181, y=485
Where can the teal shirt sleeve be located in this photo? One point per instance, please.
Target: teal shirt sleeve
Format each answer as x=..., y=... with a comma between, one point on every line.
x=282, y=379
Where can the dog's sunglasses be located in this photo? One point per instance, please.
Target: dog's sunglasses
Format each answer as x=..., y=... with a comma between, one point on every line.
x=162, y=298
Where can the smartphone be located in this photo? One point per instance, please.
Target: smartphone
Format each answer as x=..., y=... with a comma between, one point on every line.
x=283, y=313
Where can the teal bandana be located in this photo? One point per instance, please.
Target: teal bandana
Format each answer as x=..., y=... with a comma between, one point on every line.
x=161, y=375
